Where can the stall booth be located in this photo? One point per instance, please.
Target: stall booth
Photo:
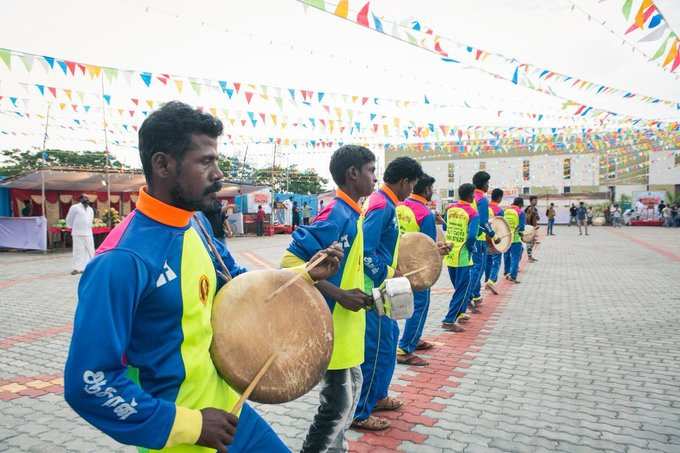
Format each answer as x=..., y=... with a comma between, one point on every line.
x=49, y=193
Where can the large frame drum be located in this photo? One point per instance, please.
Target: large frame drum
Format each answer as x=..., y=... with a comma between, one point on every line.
x=296, y=325
x=418, y=252
x=502, y=239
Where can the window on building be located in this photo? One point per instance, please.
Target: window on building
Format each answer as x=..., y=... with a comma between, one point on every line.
x=525, y=170
x=482, y=165
x=566, y=169
x=526, y=191
x=566, y=189
x=611, y=167
x=452, y=193
x=452, y=173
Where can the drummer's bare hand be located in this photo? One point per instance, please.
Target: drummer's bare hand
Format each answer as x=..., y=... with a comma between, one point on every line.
x=444, y=248
x=330, y=265
x=219, y=429
x=439, y=219
x=353, y=299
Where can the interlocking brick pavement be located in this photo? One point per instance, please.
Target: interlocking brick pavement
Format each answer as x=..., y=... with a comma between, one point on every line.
x=581, y=356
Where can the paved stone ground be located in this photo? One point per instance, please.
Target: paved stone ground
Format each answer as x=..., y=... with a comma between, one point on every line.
x=581, y=356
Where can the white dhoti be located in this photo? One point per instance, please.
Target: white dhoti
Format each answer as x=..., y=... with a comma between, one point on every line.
x=83, y=251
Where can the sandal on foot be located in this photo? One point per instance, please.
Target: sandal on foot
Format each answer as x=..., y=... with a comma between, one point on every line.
x=424, y=345
x=411, y=359
x=372, y=423
x=388, y=404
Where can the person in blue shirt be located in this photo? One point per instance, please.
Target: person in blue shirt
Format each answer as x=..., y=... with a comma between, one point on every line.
x=353, y=170
x=139, y=367
x=581, y=218
x=381, y=242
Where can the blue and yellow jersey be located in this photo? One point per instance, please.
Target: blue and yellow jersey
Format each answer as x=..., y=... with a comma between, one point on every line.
x=341, y=220
x=516, y=219
x=139, y=365
x=481, y=204
x=415, y=216
x=496, y=209
x=381, y=236
x=462, y=225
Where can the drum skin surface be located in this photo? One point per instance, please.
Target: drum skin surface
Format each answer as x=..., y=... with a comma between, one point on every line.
x=417, y=250
x=247, y=329
x=502, y=231
x=529, y=233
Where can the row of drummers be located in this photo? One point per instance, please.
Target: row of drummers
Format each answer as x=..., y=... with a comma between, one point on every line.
x=391, y=257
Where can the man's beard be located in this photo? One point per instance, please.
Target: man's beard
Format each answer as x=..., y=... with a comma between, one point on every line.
x=203, y=203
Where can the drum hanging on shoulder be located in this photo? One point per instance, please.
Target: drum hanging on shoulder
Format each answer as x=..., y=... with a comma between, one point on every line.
x=502, y=239
x=419, y=257
x=296, y=325
x=394, y=299
x=529, y=234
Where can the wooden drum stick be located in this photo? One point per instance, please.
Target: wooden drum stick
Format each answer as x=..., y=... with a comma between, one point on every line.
x=253, y=384
x=298, y=276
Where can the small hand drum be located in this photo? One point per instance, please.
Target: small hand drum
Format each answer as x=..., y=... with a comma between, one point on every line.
x=418, y=252
x=395, y=299
x=296, y=325
x=529, y=234
x=502, y=239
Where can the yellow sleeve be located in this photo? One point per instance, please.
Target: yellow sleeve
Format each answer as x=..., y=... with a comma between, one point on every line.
x=187, y=427
x=390, y=272
x=295, y=264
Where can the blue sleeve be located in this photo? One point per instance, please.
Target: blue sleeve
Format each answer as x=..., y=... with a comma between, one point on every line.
x=309, y=239
x=95, y=382
x=374, y=264
x=483, y=210
x=429, y=227
x=445, y=216
x=473, y=228
x=522, y=222
x=232, y=266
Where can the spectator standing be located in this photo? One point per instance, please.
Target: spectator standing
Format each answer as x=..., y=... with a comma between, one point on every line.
x=616, y=215
x=259, y=221
x=582, y=218
x=79, y=220
x=306, y=213
x=572, y=214
x=667, y=216
x=550, y=213
x=296, y=215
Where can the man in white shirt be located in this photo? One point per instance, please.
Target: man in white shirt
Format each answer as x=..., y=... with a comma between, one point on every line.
x=79, y=220
x=289, y=211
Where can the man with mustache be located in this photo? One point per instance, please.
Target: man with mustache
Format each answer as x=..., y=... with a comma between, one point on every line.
x=139, y=367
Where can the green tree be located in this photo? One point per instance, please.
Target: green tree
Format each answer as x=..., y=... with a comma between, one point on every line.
x=236, y=170
x=15, y=161
x=290, y=179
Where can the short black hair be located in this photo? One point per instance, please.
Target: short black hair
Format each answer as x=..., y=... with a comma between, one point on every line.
x=423, y=183
x=497, y=194
x=480, y=179
x=346, y=157
x=402, y=167
x=519, y=201
x=465, y=191
x=533, y=197
x=169, y=130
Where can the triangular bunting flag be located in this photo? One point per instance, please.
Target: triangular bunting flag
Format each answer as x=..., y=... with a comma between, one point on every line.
x=71, y=65
x=41, y=88
x=237, y=86
x=229, y=92
x=150, y=103
x=362, y=17
x=111, y=74
x=93, y=71
x=146, y=77
x=342, y=9
x=53, y=91
x=68, y=93
x=179, y=84
x=195, y=85
x=28, y=62
x=249, y=96
x=50, y=61
x=107, y=98
x=135, y=101
x=6, y=56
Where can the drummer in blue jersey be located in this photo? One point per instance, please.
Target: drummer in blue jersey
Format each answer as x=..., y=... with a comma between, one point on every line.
x=381, y=240
x=139, y=367
x=493, y=261
x=340, y=221
x=415, y=216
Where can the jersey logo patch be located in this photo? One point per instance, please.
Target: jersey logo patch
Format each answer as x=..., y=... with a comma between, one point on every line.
x=203, y=289
x=167, y=275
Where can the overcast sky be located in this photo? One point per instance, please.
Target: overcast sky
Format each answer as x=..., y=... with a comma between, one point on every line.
x=282, y=43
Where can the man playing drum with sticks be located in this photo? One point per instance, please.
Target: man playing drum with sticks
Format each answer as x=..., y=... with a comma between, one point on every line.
x=493, y=261
x=341, y=221
x=381, y=242
x=462, y=226
x=139, y=367
x=414, y=215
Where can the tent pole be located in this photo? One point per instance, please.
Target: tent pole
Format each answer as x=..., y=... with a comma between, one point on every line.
x=106, y=156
